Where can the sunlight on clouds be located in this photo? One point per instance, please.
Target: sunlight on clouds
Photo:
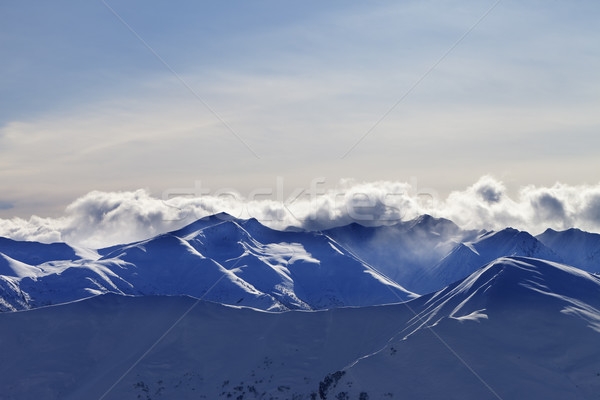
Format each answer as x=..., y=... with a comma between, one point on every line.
x=105, y=218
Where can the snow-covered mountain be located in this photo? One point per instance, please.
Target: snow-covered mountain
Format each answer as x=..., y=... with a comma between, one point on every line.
x=468, y=256
x=219, y=258
x=34, y=253
x=404, y=250
x=516, y=328
x=576, y=247
x=427, y=253
x=242, y=262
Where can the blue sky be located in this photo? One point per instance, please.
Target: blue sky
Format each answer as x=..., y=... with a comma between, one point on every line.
x=86, y=106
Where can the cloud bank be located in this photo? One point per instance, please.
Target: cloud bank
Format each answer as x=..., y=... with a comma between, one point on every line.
x=104, y=218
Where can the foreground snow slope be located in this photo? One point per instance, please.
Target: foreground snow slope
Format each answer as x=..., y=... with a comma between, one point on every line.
x=518, y=327
x=78, y=350
x=525, y=328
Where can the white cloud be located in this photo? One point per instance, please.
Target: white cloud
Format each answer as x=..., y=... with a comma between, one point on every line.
x=45, y=230
x=486, y=205
x=105, y=218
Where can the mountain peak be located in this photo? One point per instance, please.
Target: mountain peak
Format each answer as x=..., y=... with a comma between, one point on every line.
x=204, y=222
x=549, y=231
x=34, y=253
x=518, y=281
x=576, y=247
x=534, y=275
x=503, y=235
x=469, y=256
x=424, y=218
x=433, y=224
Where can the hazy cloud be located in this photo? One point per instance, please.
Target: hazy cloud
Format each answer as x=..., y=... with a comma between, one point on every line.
x=489, y=189
x=38, y=229
x=591, y=210
x=548, y=207
x=104, y=218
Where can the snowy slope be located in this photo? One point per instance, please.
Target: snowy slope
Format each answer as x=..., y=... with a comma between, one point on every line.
x=34, y=253
x=516, y=328
x=10, y=267
x=168, y=265
x=219, y=258
x=467, y=257
x=576, y=247
x=301, y=270
x=307, y=267
x=527, y=328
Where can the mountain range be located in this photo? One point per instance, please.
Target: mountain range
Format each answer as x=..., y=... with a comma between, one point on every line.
x=219, y=258
x=242, y=262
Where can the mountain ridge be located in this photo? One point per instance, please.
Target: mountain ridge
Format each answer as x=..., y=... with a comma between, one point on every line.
x=219, y=258
x=257, y=266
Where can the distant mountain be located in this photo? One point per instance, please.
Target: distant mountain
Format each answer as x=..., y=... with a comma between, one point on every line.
x=515, y=328
x=576, y=247
x=468, y=256
x=405, y=250
x=219, y=258
x=34, y=253
x=427, y=253
x=242, y=262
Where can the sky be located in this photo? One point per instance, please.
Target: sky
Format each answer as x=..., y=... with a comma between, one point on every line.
x=121, y=96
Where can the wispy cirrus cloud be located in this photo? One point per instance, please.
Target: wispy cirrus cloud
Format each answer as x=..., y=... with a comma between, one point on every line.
x=91, y=108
